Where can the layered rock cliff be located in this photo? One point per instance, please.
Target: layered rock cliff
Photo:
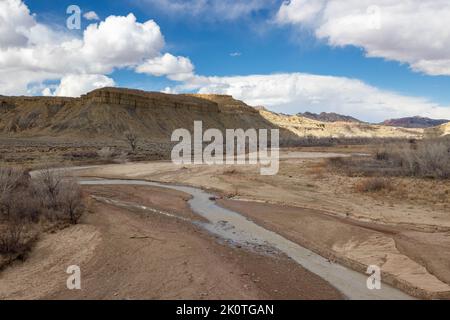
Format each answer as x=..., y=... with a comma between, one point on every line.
x=108, y=112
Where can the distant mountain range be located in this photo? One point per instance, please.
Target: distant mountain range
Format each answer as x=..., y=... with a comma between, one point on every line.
x=408, y=122
x=414, y=122
x=329, y=117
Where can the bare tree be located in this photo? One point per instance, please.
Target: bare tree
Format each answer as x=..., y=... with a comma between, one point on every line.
x=12, y=239
x=47, y=185
x=10, y=181
x=132, y=139
x=25, y=199
x=10, y=178
x=70, y=199
x=60, y=195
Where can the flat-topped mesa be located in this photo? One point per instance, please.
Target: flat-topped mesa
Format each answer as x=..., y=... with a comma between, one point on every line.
x=156, y=100
x=24, y=100
x=226, y=102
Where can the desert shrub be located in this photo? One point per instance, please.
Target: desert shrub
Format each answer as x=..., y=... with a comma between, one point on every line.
x=373, y=185
x=13, y=186
x=310, y=141
x=25, y=200
x=132, y=139
x=81, y=155
x=22, y=205
x=381, y=155
x=59, y=196
x=17, y=210
x=13, y=238
x=427, y=159
x=70, y=201
x=336, y=161
x=10, y=179
x=46, y=186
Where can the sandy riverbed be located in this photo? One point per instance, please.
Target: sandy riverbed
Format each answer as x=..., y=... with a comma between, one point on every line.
x=401, y=235
x=129, y=254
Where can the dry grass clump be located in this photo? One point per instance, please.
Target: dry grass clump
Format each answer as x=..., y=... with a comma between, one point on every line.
x=373, y=185
x=294, y=142
x=25, y=202
x=429, y=158
x=426, y=159
x=312, y=141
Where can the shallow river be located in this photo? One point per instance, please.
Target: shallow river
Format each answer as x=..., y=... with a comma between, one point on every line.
x=234, y=227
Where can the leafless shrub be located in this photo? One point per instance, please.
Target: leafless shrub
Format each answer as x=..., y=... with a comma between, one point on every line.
x=81, y=155
x=132, y=139
x=25, y=200
x=427, y=159
x=47, y=185
x=60, y=196
x=9, y=179
x=381, y=154
x=13, y=181
x=70, y=201
x=12, y=237
x=292, y=142
x=312, y=141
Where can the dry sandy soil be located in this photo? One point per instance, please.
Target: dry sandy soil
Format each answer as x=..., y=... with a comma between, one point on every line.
x=405, y=232
x=132, y=254
x=126, y=253
x=36, y=152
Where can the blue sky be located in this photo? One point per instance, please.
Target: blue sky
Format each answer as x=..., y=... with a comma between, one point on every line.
x=268, y=39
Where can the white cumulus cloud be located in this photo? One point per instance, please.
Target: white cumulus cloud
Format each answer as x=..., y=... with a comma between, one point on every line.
x=297, y=92
x=15, y=22
x=31, y=52
x=75, y=85
x=175, y=68
x=415, y=32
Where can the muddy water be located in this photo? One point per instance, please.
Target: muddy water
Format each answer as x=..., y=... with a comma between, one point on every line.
x=232, y=226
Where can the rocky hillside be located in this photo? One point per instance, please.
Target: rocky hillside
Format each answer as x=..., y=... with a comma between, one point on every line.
x=414, y=122
x=442, y=130
x=108, y=112
x=329, y=117
x=304, y=127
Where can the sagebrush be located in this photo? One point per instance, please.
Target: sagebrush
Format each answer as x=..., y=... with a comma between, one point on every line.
x=25, y=201
x=428, y=158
